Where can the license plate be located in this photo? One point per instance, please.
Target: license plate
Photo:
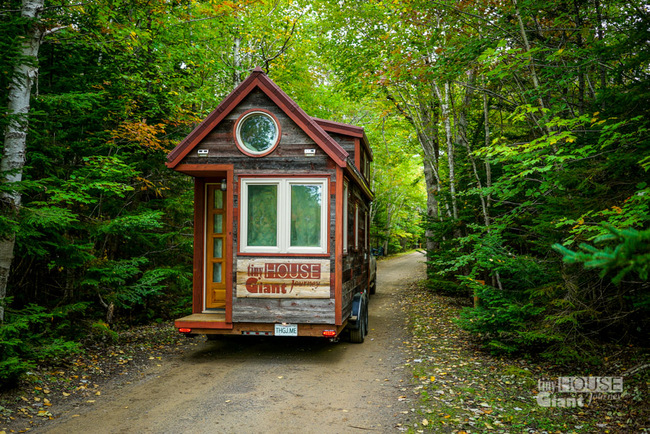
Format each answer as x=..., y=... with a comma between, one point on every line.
x=286, y=329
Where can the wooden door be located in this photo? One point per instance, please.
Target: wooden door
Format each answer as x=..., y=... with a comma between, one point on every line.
x=216, y=261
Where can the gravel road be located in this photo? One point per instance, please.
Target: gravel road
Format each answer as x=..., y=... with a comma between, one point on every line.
x=271, y=385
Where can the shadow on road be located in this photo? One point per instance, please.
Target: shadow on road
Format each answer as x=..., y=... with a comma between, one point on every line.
x=303, y=349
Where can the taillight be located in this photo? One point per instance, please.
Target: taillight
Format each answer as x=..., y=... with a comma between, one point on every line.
x=329, y=333
x=185, y=330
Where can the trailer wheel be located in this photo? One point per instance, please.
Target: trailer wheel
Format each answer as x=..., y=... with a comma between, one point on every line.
x=365, y=326
x=358, y=335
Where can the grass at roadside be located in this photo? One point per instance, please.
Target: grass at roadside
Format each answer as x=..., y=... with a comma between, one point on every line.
x=458, y=388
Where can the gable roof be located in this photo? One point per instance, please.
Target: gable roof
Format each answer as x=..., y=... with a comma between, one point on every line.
x=346, y=130
x=258, y=79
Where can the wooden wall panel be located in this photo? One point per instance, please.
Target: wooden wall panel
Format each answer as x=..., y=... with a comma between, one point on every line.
x=308, y=311
x=221, y=145
x=355, y=270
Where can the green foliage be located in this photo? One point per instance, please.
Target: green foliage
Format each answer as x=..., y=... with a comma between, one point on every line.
x=507, y=321
x=102, y=331
x=565, y=154
x=448, y=287
x=35, y=334
x=400, y=197
x=628, y=252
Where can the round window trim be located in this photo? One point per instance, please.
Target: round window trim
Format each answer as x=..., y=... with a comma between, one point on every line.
x=272, y=143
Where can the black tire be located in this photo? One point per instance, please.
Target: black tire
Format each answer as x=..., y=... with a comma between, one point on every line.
x=357, y=336
x=373, y=286
x=365, y=328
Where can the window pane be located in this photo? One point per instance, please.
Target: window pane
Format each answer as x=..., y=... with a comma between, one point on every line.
x=258, y=132
x=218, y=198
x=216, y=272
x=218, y=223
x=306, y=206
x=262, y=215
x=217, y=250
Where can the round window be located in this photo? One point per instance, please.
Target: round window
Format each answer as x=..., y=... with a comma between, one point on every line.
x=257, y=133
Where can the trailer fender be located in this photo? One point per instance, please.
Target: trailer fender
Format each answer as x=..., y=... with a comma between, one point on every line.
x=359, y=304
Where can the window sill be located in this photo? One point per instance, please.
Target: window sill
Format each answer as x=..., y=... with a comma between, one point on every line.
x=293, y=254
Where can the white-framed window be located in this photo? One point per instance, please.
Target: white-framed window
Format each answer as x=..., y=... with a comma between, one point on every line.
x=356, y=226
x=257, y=133
x=283, y=215
x=367, y=229
x=345, y=217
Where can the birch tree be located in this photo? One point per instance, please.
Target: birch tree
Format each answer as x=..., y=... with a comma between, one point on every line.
x=15, y=137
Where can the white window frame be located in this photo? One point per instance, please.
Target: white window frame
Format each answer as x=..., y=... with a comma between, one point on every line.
x=367, y=229
x=356, y=226
x=283, y=215
x=240, y=143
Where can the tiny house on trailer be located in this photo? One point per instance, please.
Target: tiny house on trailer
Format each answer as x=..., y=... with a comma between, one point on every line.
x=281, y=219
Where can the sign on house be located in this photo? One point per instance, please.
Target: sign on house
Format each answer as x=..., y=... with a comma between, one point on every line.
x=283, y=278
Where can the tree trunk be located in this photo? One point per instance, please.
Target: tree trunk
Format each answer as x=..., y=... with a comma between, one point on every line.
x=444, y=103
x=428, y=138
x=488, y=168
x=432, y=204
x=463, y=140
x=236, y=55
x=15, y=138
x=533, y=70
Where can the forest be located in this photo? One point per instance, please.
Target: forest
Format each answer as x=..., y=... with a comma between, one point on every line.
x=510, y=142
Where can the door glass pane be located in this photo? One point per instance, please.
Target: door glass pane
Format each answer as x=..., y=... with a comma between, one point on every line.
x=216, y=272
x=262, y=215
x=218, y=198
x=217, y=250
x=306, y=206
x=218, y=223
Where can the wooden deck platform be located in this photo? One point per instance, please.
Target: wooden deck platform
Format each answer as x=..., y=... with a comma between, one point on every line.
x=215, y=323
x=215, y=320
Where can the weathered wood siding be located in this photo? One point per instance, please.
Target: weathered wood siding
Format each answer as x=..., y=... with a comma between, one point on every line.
x=279, y=310
x=346, y=143
x=355, y=262
x=287, y=159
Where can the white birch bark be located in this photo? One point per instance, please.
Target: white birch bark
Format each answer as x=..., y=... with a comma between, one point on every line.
x=236, y=55
x=444, y=105
x=488, y=167
x=533, y=71
x=15, y=137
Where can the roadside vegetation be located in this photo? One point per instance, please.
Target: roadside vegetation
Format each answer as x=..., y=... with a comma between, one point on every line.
x=71, y=383
x=459, y=388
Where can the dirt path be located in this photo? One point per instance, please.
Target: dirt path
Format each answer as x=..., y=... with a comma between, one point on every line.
x=278, y=385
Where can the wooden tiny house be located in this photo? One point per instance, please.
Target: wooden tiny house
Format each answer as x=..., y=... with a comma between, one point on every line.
x=281, y=218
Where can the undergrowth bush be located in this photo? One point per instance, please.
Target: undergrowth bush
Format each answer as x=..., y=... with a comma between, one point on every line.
x=563, y=313
x=507, y=321
x=447, y=287
x=34, y=334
